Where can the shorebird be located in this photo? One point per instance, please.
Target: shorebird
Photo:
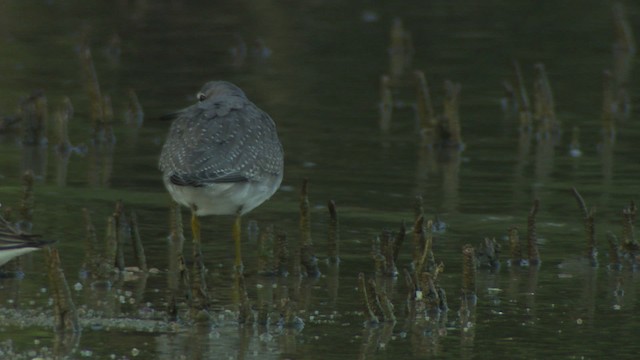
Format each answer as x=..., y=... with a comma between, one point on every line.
x=222, y=157
x=14, y=242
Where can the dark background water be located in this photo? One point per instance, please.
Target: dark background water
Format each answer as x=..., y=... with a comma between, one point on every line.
x=320, y=85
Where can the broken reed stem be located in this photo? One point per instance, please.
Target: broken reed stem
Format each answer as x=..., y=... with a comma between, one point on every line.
x=118, y=218
x=532, y=239
x=307, y=256
x=418, y=241
x=524, y=107
x=383, y=308
x=544, y=103
x=26, y=205
x=93, y=90
x=589, y=227
x=581, y=203
x=176, y=230
x=453, y=136
x=468, y=271
x=62, y=118
x=134, y=115
x=624, y=33
x=245, y=314
x=629, y=218
x=614, y=252
x=429, y=294
x=34, y=114
x=369, y=300
x=387, y=249
x=398, y=240
x=397, y=50
x=138, y=249
x=426, y=260
x=410, y=283
x=91, y=244
x=333, y=234
x=111, y=246
x=424, y=106
x=386, y=103
x=418, y=209
x=515, y=250
x=108, y=117
x=200, y=299
x=184, y=278
x=281, y=256
x=65, y=315
x=265, y=247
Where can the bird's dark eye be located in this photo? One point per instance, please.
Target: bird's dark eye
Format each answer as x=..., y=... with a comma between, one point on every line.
x=201, y=97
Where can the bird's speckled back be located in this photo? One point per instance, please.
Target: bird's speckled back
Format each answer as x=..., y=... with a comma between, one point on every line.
x=222, y=138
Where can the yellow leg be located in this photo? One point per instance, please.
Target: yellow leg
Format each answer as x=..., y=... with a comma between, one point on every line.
x=237, y=240
x=195, y=226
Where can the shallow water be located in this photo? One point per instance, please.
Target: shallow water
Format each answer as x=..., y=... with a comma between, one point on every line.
x=320, y=84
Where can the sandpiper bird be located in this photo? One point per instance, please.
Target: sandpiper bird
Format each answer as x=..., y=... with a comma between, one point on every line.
x=14, y=242
x=222, y=157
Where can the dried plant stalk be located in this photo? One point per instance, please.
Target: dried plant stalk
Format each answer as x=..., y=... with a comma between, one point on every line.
x=107, y=108
x=468, y=270
x=34, y=115
x=265, y=251
x=138, y=249
x=397, y=50
x=333, y=234
x=532, y=238
x=418, y=241
x=368, y=300
x=523, y=99
x=589, y=226
x=629, y=218
x=281, y=265
x=515, y=250
x=111, y=246
x=62, y=118
x=453, y=134
x=615, y=261
x=424, y=106
x=118, y=217
x=26, y=205
x=91, y=258
x=624, y=33
x=307, y=255
x=544, y=103
x=64, y=310
x=93, y=90
x=134, y=115
x=397, y=242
